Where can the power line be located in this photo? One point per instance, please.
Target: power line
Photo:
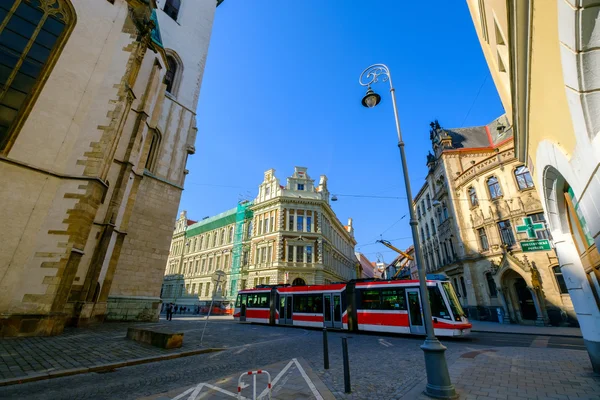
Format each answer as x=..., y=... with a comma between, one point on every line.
x=475, y=99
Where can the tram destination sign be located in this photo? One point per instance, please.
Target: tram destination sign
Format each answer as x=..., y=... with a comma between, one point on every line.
x=536, y=245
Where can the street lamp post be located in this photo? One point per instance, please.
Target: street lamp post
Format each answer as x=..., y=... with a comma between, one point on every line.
x=438, y=378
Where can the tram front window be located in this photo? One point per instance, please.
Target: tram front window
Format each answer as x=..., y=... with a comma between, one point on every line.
x=438, y=307
x=241, y=300
x=457, y=310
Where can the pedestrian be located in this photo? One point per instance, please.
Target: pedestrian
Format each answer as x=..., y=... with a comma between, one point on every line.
x=175, y=311
x=169, y=311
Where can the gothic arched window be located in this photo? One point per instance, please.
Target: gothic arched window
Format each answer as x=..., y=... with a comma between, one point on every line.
x=32, y=34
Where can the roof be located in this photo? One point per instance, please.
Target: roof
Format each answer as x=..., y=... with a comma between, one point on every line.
x=368, y=268
x=191, y=222
x=484, y=136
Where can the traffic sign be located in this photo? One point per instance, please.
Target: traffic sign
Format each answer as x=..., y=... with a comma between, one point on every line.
x=536, y=245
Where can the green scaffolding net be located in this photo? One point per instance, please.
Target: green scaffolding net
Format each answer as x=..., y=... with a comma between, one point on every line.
x=242, y=214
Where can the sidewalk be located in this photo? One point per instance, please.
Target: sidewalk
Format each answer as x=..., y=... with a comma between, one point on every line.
x=495, y=327
x=520, y=374
x=101, y=348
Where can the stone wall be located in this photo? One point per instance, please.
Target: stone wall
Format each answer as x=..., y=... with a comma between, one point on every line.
x=138, y=278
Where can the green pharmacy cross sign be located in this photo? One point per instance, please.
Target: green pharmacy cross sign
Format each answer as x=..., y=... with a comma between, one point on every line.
x=529, y=227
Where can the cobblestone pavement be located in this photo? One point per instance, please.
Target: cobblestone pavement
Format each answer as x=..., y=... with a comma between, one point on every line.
x=520, y=374
x=485, y=326
x=382, y=367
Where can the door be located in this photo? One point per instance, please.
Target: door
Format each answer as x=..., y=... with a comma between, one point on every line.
x=337, y=311
x=243, y=300
x=415, y=311
x=327, y=321
x=285, y=309
x=526, y=303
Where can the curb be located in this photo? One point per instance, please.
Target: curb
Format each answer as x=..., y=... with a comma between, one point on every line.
x=528, y=333
x=103, y=367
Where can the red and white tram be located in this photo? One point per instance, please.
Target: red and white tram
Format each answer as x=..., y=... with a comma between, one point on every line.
x=380, y=306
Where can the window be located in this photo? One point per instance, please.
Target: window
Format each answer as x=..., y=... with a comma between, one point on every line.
x=483, y=240
x=170, y=75
x=172, y=8
x=506, y=233
x=267, y=190
x=30, y=35
x=368, y=300
x=200, y=289
x=444, y=210
x=439, y=216
x=301, y=186
x=427, y=230
x=201, y=242
x=428, y=202
x=226, y=262
x=308, y=303
x=308, y=224
x=230, y=235
x=193, y=288
x=210, y=264
x=309, y=253
x=300, y=227
x=473, y=197
x=290, y=254
x=422, y=234
x=523, y=178
x=463, y=287
x=393, y=299
x=258, y=300
x=299, y=253
x=290, y=221
x=245, y=257
x=432, y=227
x=207, y=291
x=494, y=187
x=438, y=307
x=560, y=280
x=491, y=285
x=153, y=150
x=540, y=219
x=203, y=265
x=418, y=211
x=451, y=243
x=249, y=230
x=222, y=239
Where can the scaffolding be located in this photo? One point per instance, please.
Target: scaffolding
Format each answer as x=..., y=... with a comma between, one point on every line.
x=242, y=214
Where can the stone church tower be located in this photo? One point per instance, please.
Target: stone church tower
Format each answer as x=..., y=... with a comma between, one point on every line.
x=97, y=119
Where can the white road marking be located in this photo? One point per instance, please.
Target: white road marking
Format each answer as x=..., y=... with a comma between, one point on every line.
x=183, y=394
x=308, y=381
x=274, y=381
x=196, y=391
x=385, y=343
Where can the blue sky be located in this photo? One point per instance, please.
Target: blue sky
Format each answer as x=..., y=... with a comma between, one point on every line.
x=281, y=89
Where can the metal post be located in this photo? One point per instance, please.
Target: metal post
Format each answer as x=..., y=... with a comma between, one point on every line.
x=254, y=381
x=212, y=300
x=347, y=387
x=439, y=384
x=325, y=350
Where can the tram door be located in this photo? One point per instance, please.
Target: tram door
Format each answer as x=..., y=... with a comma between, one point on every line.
x=415, y=311
x=285, y=309
x=332, y=310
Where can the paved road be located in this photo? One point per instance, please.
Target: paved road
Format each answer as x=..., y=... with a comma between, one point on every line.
x=397, y=360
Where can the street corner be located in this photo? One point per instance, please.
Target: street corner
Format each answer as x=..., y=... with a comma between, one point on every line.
x=290, y=379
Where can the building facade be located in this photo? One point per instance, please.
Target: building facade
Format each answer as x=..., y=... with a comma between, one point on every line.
x=543, y=59
x=97, y=119
x=287, y=234
x=482, y=224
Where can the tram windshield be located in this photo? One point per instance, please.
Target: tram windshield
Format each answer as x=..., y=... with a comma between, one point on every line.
x=453, y=300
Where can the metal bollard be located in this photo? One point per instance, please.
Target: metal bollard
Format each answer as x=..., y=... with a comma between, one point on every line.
x=347, y=388
x=325, y=349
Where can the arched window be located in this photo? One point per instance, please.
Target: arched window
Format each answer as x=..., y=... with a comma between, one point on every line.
x=214, y=240
x=491, y=285
x=171, y=74
x=523, y=178
x=31, y=37
x=201, y=242
x=230, y=235
x=172, y=7
x=494, y=187
x=222, y=239
x=298, y=282
x=473, y=197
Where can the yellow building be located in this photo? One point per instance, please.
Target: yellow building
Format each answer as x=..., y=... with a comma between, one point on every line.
x=473, y=214
x=97, y=119
x=543, y=56
x=287, y=234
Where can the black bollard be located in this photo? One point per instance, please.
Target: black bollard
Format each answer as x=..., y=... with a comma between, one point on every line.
x=325, y=349
x=347, y=388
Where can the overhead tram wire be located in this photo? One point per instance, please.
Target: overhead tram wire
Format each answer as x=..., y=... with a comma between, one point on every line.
x=475, y=99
